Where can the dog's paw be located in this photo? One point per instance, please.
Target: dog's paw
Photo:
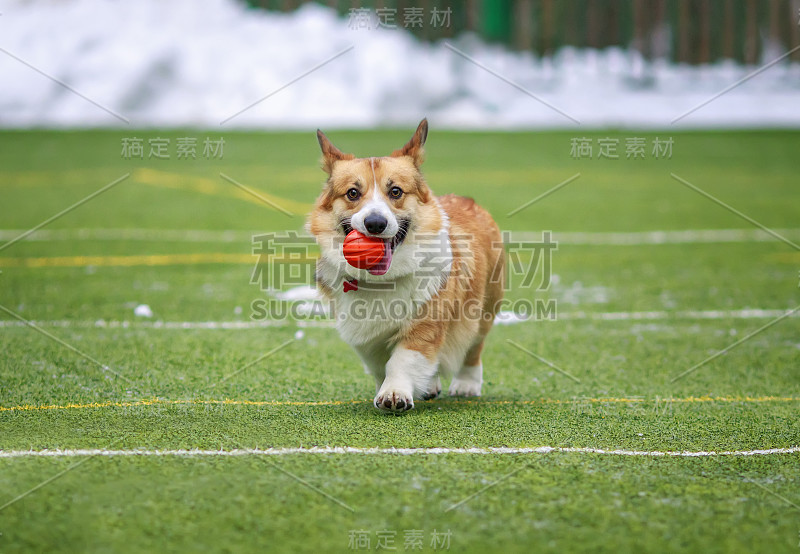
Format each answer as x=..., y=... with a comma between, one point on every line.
x=464, y=387
x=393, y=401
x=434, y=389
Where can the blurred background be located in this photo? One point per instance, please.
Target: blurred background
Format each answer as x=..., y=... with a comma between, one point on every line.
x=479, y=64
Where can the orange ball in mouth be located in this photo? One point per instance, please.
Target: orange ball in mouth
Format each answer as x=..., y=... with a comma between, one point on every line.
x=362, y=251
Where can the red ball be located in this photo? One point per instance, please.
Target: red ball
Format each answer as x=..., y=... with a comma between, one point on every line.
x=362, y=251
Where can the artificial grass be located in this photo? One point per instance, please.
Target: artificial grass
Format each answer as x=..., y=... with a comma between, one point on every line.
x=313, y=392
x=551, y=503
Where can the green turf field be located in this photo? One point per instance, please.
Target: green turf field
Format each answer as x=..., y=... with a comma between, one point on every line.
x=634, y=311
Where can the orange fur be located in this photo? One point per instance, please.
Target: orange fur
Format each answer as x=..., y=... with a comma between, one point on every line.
x=476, y=260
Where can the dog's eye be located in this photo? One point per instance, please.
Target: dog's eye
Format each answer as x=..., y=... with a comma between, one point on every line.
x=353, y=194
x=395, y=192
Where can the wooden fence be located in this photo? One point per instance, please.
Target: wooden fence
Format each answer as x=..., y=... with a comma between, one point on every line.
x=690, y=31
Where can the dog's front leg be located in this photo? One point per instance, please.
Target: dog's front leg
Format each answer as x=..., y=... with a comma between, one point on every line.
x=374, y=360
x=408, y=374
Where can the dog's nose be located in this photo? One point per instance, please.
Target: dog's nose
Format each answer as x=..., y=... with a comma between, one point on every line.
x=375, y=223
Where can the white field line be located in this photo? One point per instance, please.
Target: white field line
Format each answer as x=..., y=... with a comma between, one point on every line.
x=400, y=451
x=747, y=313
x=239, y=325
x=174, y=325
x=690, y=236
x=154, y=235
x=610, y=239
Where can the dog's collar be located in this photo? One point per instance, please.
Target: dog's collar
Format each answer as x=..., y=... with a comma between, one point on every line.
x=352, y=284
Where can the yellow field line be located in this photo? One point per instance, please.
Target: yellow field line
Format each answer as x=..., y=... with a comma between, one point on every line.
x=204, y=185
x=148, y=260
x=146, y=176
x=125, y=261
x=52, y=177
x=229, y=402
x=786, y=257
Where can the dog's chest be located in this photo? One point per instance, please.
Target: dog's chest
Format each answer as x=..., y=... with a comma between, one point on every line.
x=368, y=314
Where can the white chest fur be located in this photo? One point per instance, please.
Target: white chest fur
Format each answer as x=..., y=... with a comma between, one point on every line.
x=366, y=315
x=381, y=307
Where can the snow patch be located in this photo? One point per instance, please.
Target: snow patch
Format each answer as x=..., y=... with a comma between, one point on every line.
x=303, y=292
x=161, y=64
x=507, y=317
x=143, y=310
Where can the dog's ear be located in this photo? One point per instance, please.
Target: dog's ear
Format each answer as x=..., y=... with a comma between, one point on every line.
x=330, y=154
x=414, y=147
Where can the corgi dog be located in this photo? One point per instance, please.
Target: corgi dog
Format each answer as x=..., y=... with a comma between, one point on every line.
x=425, y=308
